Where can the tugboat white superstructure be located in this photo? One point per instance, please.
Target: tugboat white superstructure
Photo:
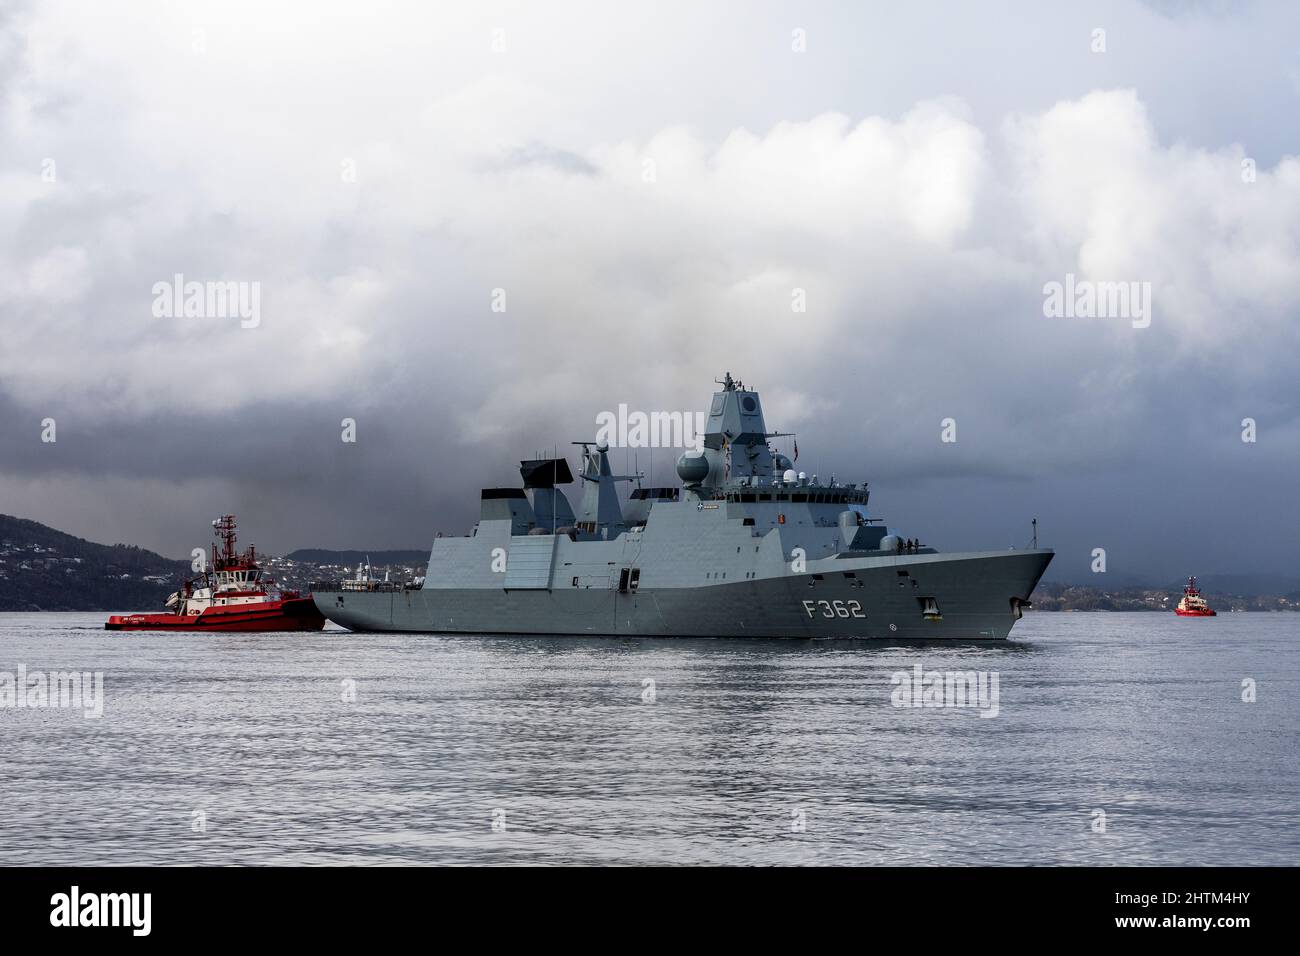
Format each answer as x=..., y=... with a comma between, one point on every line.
x=745, y=547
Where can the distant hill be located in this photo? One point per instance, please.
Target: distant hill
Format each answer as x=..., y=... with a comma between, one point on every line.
x=42, y=569
x=353, y=558
x=1246, y=585
x=46, y=570
x=1239, y=585
x=1051, y=596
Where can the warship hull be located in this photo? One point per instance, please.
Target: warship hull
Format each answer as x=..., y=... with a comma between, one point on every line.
x=953, y=596
x=745, y=547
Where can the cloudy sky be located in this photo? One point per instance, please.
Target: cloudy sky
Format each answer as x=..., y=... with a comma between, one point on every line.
x=649, y=184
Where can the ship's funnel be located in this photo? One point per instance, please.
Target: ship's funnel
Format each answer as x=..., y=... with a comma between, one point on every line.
x=507, y=504
x=545, y=472
x=552, y=509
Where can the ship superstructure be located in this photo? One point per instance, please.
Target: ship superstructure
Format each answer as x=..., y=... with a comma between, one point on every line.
x=745, y=546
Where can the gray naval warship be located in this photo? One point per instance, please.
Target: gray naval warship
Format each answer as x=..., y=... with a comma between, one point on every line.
x=744, y=547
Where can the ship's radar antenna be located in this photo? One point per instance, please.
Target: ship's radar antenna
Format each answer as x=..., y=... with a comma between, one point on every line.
x=225, y=533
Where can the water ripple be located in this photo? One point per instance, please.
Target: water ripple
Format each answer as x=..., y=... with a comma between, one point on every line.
x=751, y=752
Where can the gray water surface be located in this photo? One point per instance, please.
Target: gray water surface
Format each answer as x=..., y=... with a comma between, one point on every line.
x=241, y=749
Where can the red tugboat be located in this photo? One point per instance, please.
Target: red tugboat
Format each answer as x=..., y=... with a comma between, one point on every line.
x=1192, y=604
x=230, y=596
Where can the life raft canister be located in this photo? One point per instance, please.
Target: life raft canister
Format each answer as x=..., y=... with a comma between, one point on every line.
x=780, y=519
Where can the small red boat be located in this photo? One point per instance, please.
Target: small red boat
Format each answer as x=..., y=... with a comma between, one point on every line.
x=1192, y=604
x=231, y=595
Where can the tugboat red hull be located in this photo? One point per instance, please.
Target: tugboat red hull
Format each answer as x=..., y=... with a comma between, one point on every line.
x=289, y=614
x=1184, y=613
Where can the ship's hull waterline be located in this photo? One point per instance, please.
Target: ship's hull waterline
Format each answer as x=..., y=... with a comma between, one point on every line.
x=973, y=596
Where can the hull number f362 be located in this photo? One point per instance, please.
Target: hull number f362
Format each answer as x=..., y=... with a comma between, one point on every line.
x=834, y=608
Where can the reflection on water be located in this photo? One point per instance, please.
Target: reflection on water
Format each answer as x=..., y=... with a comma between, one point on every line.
x=242, y=748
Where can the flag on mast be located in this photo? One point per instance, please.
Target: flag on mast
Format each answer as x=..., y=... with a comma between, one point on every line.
x=796, y=449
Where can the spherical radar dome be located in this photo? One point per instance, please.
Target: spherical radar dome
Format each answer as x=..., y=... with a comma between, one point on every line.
x=692, y=467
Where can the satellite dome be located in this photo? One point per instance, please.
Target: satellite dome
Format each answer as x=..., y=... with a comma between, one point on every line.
x=692, y=467
x=790, y=477
x=890, y=542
